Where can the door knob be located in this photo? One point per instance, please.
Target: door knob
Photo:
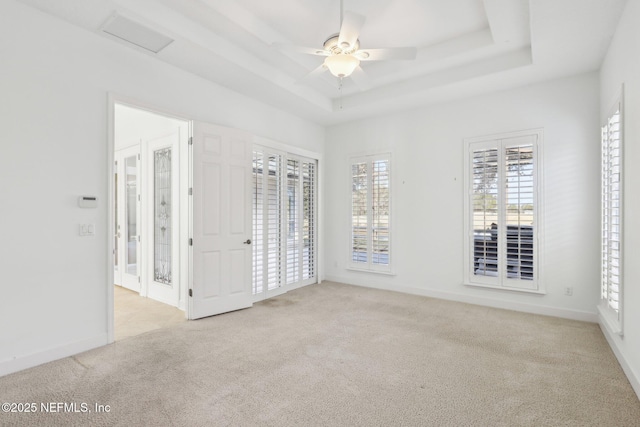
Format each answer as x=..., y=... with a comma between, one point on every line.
x=248, y=242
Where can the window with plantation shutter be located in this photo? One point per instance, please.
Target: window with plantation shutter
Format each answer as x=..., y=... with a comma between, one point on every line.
x=370, y=219
x=308, y=219
x=611, y=227
x=502, y=225
x=284, y=221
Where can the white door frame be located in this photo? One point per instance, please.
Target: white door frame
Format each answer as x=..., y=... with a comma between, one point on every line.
x=184, y=172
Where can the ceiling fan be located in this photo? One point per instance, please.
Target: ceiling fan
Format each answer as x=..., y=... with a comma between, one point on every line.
x=343, y=54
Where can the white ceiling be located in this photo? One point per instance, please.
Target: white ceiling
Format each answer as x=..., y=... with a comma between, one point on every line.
x=465, y=47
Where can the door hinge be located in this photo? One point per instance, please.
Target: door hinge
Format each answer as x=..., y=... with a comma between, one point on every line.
x=139, y=197
x=138, y=279
x=190, y=140
x=138, y=238
x=190, y=242
x=190, y=292
x=138, y=156
x=191, y=191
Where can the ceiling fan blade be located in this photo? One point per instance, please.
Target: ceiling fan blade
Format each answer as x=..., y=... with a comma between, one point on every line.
x=315, y=73
x=286, y=47
x=386, y=54
x=360, y=79
x=350, y=30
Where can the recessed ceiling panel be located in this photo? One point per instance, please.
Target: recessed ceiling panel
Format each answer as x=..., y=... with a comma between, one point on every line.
x=388, y=22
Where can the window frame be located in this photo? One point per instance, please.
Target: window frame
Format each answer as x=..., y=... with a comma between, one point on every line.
x=369, y=266
x=536, y=285
x=614, y=320
x=284, y=284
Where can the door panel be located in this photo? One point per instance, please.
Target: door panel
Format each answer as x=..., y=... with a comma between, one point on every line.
x=127, y=194
x=162, y=218
x=221, y=254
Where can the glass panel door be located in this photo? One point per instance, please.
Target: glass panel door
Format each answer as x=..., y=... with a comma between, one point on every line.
x=127, y=218
x=131, y=166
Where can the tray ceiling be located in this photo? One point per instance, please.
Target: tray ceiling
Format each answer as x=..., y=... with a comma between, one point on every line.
x=465, y=47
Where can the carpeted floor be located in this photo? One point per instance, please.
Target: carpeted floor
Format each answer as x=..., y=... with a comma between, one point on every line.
x=337, y=355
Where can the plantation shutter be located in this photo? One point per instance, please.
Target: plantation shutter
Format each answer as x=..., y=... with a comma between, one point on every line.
x=612, y=212
x=309, y=219
x=273, y=232
x=380, y=212
x=267, y=239
x=359, y=214
x=485, y=211
x=520, y=198
x=293, y=218
x=284, y=221
x=370, y=213
x=503, y=202
x=258, y=221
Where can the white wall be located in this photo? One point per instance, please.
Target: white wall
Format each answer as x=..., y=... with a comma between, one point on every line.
x=54, y=81
x=622, y=65
x=428, y=194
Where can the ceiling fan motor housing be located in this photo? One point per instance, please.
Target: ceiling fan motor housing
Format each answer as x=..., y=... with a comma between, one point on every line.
x=332, y=45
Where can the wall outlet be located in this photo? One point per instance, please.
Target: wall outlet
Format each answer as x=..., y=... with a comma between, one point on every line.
x=87, y=230
x=568, y=290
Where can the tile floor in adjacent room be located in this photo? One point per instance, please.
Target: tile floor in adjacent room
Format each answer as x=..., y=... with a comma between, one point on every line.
x=135, y=315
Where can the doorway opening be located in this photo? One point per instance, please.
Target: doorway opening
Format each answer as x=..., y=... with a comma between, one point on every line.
x=149, y=217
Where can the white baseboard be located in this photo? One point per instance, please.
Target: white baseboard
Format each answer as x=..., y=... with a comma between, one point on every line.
x=29, y=361
x=584, y=316
x=613, y=339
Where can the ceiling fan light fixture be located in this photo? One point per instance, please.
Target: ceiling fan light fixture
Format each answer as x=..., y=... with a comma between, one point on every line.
x=341, y=65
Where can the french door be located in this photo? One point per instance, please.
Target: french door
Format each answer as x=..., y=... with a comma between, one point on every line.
x=284, y=222
x=127, y=253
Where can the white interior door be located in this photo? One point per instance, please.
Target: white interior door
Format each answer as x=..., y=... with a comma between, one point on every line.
x=162, y=213
x=221, y=252
x=128, y=253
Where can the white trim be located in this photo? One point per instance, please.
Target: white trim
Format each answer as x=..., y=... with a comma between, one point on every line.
x=613, y=339
x=484, y=301
x=609, y=318
x=110, y=226
x=285, y=148
x=364, y=270
x=49, y=355
x=506, y=288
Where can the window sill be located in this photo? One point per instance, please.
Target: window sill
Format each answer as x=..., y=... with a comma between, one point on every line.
x=364, y=270
x=502, y=288
x=610, y=321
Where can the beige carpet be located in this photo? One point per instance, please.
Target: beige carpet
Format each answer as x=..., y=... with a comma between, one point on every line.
x=337, y=355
